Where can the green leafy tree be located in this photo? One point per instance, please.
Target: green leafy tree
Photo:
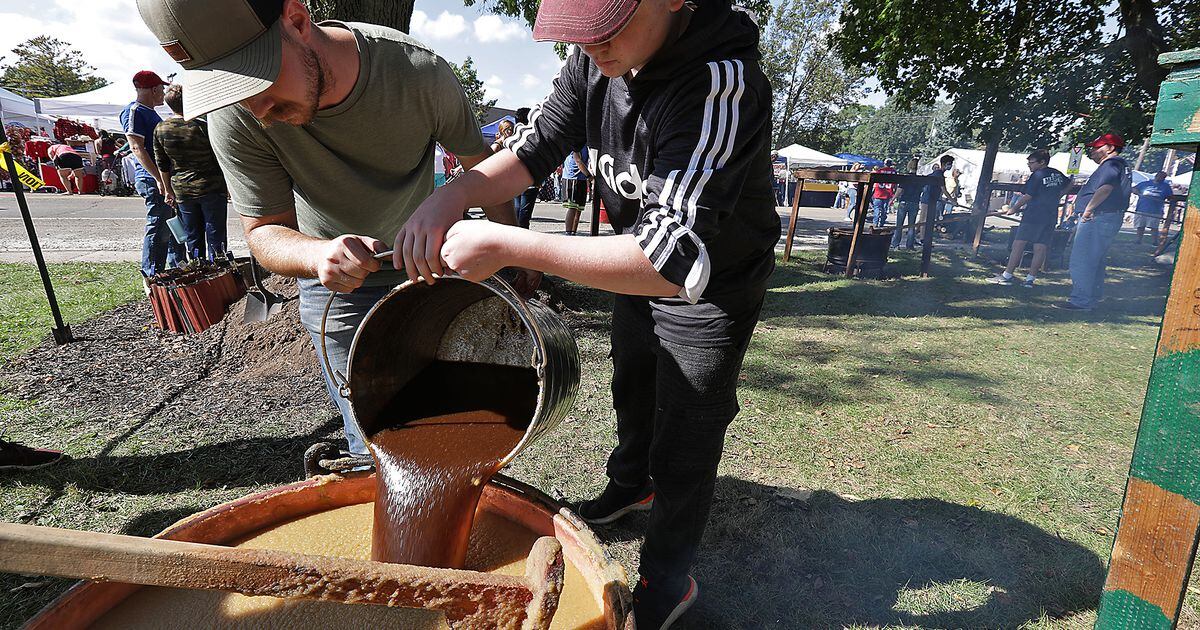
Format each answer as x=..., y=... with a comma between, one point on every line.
x=46, y=67
x=394, y=13
x=473, y=87
x=810, y=82
x=1002, y=63
x=891, y=132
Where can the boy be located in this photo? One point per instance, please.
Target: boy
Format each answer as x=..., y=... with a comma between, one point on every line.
x=670, y=98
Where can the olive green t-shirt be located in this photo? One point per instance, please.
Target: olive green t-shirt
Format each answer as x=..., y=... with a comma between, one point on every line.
x=363, y=166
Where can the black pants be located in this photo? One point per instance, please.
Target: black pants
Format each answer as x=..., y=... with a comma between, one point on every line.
x=673, y=403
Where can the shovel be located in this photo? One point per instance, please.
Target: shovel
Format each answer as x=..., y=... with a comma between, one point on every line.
x=261, y=304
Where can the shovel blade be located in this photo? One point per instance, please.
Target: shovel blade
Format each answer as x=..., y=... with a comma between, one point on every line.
x=260, y=306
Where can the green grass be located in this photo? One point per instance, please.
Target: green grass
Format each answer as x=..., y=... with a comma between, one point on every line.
x=82, y=289
x=966, y=447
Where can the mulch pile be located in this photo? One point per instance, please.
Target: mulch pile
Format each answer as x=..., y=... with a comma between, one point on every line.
x=122, y=365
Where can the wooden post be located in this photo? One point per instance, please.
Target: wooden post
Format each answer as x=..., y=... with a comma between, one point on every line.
x=1159, y=526
x=787, y=247
x=860, y=219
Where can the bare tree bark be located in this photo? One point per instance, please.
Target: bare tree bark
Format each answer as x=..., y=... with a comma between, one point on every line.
x=396, y=14
x=1144, y=41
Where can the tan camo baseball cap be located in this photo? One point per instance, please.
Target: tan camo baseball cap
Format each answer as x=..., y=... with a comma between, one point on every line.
x=229, y=49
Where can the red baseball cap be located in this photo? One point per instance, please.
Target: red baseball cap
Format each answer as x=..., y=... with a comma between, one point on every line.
x=147, y=79
x=1109, y=138
x=582, y=22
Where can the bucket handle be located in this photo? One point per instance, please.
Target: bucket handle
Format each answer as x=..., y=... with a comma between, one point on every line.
x=343, y=384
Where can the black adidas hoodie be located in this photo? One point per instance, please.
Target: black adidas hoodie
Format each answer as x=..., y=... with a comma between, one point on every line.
x=681, y=153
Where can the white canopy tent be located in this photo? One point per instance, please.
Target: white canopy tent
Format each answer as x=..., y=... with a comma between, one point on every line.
x=15, y=108
x=100, y=108
x=1009, y=168
x=804, y=157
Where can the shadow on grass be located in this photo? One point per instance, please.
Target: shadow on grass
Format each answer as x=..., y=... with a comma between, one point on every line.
x=769, y=561
x=1135, y=289
x=236, y=463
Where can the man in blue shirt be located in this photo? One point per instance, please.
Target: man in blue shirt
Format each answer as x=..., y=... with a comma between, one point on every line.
x=1039, y=207
x=1101, y=206
x=139, y=119
x=575, y=181
x=1152, y=196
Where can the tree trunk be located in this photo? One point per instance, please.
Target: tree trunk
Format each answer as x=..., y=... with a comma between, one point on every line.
x=396, y=14
x=1144, y=40
x=983, y=189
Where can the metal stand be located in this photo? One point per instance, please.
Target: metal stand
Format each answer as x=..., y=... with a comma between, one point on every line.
x=62, y=332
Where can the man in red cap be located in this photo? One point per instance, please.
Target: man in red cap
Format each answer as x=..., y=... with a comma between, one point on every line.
x=1100, y=206
x=139, y=119
x=670, y=97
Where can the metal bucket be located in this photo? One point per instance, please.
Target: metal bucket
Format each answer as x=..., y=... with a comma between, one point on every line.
x=458, y=320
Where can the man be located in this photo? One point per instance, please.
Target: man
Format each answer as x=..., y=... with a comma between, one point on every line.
x=1100, y=206
x=932, y=196
x=907, y=204
x=1039, y=204
x=881, y=199
x=193, y=179
x=671, y=99
x=576, y=177
x=139, y=119
x=1152, y=198
x=325, y=133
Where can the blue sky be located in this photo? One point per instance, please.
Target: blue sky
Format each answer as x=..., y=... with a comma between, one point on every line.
x=516, y=70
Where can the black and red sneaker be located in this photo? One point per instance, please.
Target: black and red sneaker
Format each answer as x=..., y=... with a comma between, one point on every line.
x=15, y=456
x=657, y=606
x=616, y=501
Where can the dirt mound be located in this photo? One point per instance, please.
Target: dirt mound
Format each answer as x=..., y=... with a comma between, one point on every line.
x=278, y=346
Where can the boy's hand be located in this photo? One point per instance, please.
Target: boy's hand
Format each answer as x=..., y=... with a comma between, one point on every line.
x=419, y=243
x=478, y=249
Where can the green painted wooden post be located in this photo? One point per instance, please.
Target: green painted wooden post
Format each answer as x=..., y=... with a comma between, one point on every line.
x=1160, y=518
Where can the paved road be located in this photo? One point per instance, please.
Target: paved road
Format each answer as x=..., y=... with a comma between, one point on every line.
x=91, y=228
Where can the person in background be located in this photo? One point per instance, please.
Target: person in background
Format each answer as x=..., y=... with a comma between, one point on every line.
x=1100, y=206
x=932, y=196
x=575, y=184
x=907, y=204
x=1038, y=206
x=139, y=119
x=1152, y=198
x=439, y=166
x=779, y=186
x=106, y=147
x=193, y=178
x=881, y=199
x=852, y=193
x=953, y=192
x=526, y=201
x=503, y=131
x=69, y=165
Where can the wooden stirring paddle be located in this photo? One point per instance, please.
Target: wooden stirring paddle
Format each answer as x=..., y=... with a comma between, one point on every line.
x=468, y=598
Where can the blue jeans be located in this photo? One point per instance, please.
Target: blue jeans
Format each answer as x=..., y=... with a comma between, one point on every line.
x=1088, y=254
x=906, y=212
x=851, y=202
x=204, y=218
x=159, y=249
x=523, y=204
x=346, y=313
x=879, y=212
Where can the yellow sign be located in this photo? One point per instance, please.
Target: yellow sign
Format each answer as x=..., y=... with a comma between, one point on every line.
x=25, y=177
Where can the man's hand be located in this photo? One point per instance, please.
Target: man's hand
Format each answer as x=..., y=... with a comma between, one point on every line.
x=170, y=198
x=1086, y=216
x=419, y=243
x=346, y=261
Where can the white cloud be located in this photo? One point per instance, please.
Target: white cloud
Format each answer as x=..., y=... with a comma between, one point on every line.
x=447, y=26
x=529, y=81
x=491, y=29
x=491, y=87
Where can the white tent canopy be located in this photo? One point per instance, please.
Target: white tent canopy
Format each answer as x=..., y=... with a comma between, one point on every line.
x=804, y=157
x=1009, y=168
x=15, y=108
x=100, y=108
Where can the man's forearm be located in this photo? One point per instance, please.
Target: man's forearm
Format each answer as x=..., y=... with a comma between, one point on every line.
x=143, y=156
x=611, y=263
x=284, y=250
